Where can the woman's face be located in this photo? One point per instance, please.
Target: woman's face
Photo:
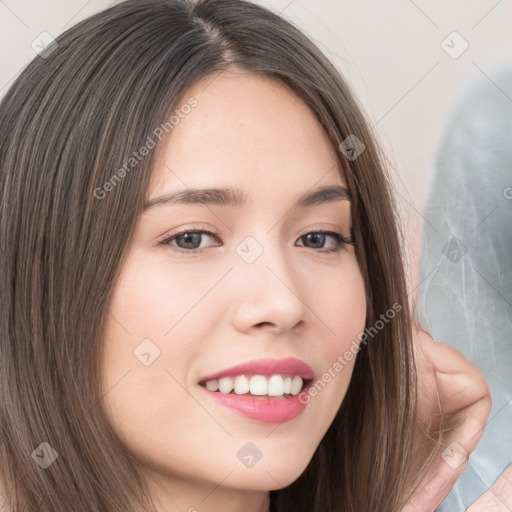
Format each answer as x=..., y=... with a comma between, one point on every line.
x=190, y=306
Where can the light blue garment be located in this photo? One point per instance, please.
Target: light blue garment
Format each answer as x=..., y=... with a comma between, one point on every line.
x=465, y=276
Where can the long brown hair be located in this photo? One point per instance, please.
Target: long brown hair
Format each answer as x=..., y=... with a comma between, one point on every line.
x=68, y=123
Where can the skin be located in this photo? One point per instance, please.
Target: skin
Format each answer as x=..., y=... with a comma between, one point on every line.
x=211, y=310
x=447, y=382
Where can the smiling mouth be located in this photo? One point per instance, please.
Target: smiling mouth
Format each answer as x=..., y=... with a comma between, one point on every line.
x=262, y=387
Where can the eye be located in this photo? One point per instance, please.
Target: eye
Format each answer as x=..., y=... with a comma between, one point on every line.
x=318, y=238
x=188, y=241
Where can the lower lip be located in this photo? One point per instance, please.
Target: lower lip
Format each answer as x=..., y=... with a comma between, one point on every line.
x=266, y=410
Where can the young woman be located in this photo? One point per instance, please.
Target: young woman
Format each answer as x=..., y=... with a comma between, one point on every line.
x=203, y=296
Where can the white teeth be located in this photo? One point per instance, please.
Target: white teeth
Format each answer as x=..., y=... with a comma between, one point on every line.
x=241, y=385
x=296, y=385
x=275, y=385
x=212, y=385
x=226, y=385
x=258, y=385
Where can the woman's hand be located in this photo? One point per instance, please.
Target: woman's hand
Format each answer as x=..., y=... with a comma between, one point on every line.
x=447, y=384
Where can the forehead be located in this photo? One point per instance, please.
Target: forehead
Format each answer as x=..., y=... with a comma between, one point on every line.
x=246, y=130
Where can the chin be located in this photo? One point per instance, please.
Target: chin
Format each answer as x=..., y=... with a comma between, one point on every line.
x=271, y=476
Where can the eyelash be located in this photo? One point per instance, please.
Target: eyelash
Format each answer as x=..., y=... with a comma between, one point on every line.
x=341, y=240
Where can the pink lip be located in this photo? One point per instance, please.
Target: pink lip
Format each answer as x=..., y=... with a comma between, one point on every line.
x=264, y=409
x=289, y=365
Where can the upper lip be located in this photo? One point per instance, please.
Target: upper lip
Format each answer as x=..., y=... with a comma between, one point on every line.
x=266, y=367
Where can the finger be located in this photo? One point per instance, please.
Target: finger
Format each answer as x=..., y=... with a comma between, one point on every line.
x=464, y=399
x=454, y=370
x=450, y=460
x=446, y=377
x=498, y=498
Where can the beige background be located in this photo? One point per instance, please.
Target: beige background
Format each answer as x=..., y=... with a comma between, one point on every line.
x=389, y=50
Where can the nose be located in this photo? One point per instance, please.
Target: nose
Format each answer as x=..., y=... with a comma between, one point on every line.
x=268, y=294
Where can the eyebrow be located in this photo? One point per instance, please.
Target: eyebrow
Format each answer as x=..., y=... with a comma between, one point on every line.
x=237, y=198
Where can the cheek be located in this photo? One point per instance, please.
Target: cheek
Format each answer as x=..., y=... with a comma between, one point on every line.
x=342, y=302
x=155, y=318
x=341, y=306
x=152, y=296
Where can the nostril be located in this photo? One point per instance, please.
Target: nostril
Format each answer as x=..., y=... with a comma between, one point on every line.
x=263, y=323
